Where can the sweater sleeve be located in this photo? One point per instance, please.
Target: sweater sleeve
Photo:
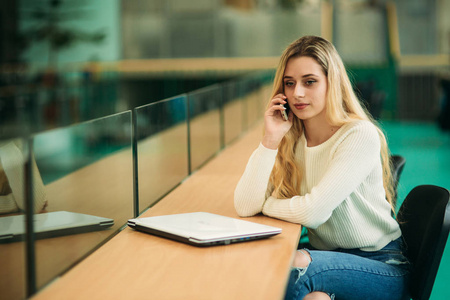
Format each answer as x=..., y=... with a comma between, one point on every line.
x=250, y=192
x=353, y=157
x=13, y=160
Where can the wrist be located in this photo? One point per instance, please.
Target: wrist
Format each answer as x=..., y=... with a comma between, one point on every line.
x=270, y=142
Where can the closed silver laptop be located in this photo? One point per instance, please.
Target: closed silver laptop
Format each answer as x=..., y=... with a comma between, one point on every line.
x=203, y=229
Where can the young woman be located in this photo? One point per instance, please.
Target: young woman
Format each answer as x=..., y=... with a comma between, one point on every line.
x=327, y=168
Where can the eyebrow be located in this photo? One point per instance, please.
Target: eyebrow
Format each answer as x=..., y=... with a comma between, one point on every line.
x=304, y=76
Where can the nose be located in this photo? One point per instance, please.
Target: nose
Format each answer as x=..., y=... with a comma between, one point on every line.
x=299, y=91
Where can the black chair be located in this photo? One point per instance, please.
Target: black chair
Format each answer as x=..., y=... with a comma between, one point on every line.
x=397, y=163
x=424, y=219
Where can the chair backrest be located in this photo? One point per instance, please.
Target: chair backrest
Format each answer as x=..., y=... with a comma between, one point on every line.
x=424, y=219
x=398, y=163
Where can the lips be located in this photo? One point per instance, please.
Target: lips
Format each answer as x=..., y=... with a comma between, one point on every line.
x=301, y=106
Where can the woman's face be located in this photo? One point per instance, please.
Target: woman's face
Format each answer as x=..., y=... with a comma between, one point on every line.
x=305, y=86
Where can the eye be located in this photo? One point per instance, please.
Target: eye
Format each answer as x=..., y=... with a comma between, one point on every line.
x=310, y=82
x=288, y=83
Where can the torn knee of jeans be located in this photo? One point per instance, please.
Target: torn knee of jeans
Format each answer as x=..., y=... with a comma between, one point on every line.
x=302, y=259
x=301, y=272
x=305, y=262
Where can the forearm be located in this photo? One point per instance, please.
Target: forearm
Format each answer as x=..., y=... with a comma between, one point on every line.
x=303, y=210
x=250, y=193
x=8, y=204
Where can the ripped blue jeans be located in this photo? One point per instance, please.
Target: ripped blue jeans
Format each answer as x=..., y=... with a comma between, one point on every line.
x=353, y=274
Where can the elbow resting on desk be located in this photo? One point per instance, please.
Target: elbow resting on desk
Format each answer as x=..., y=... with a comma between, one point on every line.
x=244, y=211
x=295, y=211
x=283, y=209
x=245, y=208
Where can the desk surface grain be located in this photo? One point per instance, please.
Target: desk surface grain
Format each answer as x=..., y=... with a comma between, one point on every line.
x=142, y=266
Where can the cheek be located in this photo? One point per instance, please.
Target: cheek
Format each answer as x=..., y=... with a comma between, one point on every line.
x=290, y=97
x=322, y=97
x=288, y=92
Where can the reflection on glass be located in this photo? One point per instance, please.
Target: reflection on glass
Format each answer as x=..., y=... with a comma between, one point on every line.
x=162, y=151
x=204, y=124
x=87, y=172
x=13, y=156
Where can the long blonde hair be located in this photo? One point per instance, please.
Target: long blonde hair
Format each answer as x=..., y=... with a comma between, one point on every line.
x=342, y=107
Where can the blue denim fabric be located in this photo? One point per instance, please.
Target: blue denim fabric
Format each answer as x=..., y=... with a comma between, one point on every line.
x=353, y=274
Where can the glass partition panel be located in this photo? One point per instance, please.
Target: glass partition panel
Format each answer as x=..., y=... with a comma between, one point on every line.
x=204, y=124
x=233, y=114
x=162, y=148
x=85, y=175
x=262, y=97
x=13, y=269
x=254, y=100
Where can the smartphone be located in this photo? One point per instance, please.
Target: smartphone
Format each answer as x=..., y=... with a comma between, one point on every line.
x=285, y=113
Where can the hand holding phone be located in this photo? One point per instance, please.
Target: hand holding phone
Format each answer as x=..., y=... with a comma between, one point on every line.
x=285, y=113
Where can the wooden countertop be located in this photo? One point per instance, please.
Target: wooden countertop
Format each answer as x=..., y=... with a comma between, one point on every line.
x=138, y=265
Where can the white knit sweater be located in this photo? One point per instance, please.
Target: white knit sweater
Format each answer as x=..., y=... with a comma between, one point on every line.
x=341, y=199
x=12, y=160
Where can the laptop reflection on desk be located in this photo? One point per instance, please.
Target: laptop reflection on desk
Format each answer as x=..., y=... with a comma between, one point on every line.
x=52, y=224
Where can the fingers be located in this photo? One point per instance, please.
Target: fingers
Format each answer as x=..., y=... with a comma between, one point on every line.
x=279, y=99
x=277, y=104
x=275, y=110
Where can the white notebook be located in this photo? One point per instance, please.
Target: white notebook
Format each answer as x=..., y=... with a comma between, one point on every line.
x=52, y=224
x=203, y=229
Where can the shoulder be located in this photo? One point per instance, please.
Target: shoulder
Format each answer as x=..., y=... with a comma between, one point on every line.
x=359, y=127
x=358, y=132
